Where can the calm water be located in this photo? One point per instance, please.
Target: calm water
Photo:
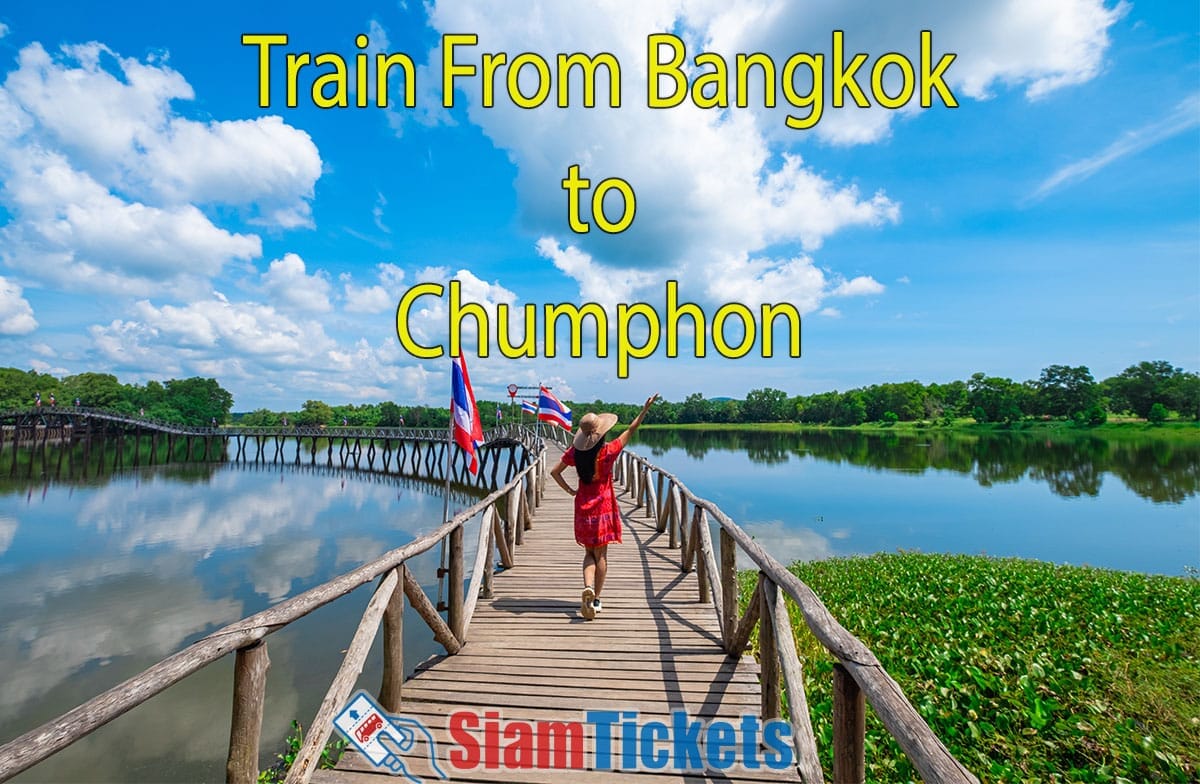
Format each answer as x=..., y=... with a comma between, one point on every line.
x=100, y=578
x=813, y=495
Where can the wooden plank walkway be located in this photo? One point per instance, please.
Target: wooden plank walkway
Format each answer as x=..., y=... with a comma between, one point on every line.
x=655, y=648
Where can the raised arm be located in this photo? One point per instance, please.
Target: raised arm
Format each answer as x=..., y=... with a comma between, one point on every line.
x=623, y=439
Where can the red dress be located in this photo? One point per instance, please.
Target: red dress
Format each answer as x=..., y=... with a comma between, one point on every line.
x=597, y=518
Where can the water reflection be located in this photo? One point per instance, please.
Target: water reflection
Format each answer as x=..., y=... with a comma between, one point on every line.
x=812, y=495
x=1074, y=466
x=100, y=580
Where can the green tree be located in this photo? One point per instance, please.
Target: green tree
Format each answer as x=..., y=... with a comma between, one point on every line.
x=99, y=390
x=17, y=388
x=259, y=418
x=1062, y=390
x=1182, y=393
x=315, y=412
x=694, y=409
x=851, y=409
x=997, y=399
x=389, y=414
x=1140, y=386
x=198, y=400
x=765, y=405
x=1157, y=414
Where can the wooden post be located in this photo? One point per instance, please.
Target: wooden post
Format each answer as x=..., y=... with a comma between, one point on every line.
x=514, y=518
x=728, y=584
x=741, y=635
x=803, y=740
x=245, y=728
x=768, y=656
x=393, y=648
x=526, y=517
x=506, y=557
x=335, y=698
x=658, y=497
x=429, y=614
x=679, y=506
x=702, y=575
x=455, y=592
x=489, y=569
x=849, y=728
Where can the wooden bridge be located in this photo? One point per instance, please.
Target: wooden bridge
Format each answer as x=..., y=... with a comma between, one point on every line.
x=668, y=648
x=113, y=441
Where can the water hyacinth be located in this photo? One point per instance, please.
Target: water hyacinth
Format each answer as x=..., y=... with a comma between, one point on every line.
x=1027, y=671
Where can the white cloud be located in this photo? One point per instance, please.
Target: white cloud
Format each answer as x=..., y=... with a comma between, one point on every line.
x=367, y=299
x=830, y=313
x=256, y=350
x=1039, y=46
x=429, y=321
x=74, y=233
x=102, y=178
x=8, y=530
x=376, y=298
x=288, y=283
x=604, y=285
x=860, y=286
x=723, y=197
x=114, y=117
x=377, y=213
x=16, y=314
x=1184, y=117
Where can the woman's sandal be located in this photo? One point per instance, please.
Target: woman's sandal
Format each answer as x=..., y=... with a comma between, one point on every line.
x=586, y=609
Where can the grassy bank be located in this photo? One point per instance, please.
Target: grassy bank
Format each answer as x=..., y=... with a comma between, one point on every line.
x=1027, y=671
x=1177, y=431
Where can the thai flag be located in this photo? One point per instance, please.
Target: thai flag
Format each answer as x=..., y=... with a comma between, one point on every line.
x=550, y=409
x=468, y=430
x=528, y=407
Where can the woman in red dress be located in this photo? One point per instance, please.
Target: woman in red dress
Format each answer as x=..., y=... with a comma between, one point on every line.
x=597, y=518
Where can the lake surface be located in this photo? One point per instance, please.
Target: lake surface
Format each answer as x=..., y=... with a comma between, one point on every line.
x=820, y=494
x=100, y=578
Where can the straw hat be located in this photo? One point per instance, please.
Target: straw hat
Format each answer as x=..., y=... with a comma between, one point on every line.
x=592, y=429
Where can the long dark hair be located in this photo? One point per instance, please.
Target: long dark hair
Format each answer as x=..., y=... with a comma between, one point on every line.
x=585, y=462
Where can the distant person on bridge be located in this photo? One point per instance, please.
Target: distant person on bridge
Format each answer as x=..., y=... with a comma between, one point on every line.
x=597, y=518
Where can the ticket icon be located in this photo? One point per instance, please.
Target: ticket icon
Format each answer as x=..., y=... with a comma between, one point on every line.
x=384, y=740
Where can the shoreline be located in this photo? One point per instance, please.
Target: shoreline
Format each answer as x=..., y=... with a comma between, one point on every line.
x=1175, y=431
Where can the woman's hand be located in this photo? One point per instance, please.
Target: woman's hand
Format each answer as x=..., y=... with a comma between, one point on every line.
x=649, y=402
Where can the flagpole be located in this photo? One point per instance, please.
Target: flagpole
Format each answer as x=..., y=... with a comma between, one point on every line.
x=449, y=455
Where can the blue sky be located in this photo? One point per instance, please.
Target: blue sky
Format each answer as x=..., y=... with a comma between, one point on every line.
x=155, y=222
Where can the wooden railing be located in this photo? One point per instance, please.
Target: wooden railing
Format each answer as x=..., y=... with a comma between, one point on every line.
x=504, y=515
x=857, y=673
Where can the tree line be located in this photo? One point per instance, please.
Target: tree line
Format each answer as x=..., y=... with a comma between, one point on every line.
x=1149, y=390
x=188, y=401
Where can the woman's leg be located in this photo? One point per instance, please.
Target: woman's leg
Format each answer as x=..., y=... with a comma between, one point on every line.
x=589, y=567
x=586, y=606
x=600, y=558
